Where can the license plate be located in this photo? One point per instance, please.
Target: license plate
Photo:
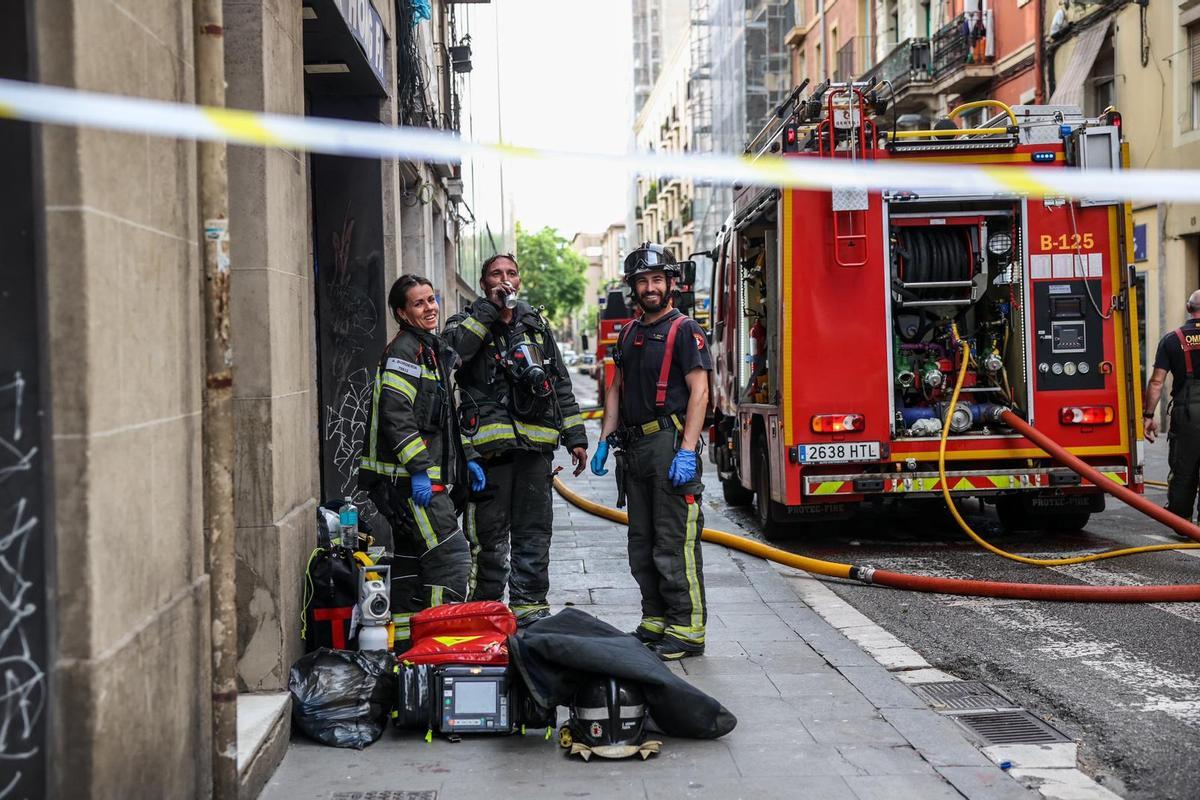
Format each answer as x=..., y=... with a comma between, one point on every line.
x=839, y=452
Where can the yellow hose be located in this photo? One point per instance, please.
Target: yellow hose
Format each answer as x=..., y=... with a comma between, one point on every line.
x=1159, y=484
x=991, y=548
x=814, y=565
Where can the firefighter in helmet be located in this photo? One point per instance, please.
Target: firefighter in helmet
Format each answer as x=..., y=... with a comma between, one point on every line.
x=412, y=456
x=517, y=406
x=1179, y=354
x=654, y=413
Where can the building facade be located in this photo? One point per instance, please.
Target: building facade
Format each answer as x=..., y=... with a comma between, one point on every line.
x=109, y=372
x=935, y=55
x=664, y=211
x=605, y=253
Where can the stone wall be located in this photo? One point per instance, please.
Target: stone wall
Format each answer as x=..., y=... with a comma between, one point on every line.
x=130, y=699
x=276, y=468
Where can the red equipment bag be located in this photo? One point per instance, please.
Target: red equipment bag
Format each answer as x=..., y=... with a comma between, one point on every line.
x=462, y=633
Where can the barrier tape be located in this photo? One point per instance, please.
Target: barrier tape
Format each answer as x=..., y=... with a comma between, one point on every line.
x=61, y=106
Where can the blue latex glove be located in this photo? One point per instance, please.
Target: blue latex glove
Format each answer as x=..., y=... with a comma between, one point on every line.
x=683, y=468
x=599, y=457
x=478, y=480
x=422, y=489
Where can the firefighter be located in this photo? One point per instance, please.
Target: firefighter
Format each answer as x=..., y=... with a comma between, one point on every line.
x=654, y=412
x=517, y=406
x=1179, y=354
x=412, y=453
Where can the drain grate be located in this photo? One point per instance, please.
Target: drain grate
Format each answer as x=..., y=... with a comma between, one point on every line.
x=952, y=696
x=386, y=795
x=1008, y=727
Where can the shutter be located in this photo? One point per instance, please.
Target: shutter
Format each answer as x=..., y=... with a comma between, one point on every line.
x=1194, y=49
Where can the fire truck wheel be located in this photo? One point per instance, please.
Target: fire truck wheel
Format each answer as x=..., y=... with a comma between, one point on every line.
x=1067, y=523
x=736, y=494
x=1016, y=516
x=771, y=515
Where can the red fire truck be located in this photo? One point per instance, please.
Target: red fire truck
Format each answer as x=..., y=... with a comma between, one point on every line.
x=838, y=318
x=616, y=313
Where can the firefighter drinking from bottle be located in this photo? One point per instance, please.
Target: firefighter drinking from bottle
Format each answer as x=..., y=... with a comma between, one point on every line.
x=517, y=407
x=413, y=454
x=654, y=413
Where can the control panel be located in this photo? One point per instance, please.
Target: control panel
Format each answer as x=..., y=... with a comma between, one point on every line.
x=1068, y=341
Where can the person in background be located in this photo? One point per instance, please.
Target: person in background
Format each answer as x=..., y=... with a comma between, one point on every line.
x=1179, y=354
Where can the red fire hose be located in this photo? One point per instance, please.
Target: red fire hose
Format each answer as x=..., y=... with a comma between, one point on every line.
x=959, y=586
x=1178, y=524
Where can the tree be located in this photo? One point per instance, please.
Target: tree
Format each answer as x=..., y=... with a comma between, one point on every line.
x=551, y=272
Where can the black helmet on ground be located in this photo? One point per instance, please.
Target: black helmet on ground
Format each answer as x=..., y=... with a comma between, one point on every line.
x=609, y=716
x=650, y=257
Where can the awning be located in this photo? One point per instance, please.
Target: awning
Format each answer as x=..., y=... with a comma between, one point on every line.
x=1069, y=89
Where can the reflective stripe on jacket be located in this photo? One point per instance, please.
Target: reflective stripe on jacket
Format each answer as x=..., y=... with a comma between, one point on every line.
x=474, y=334
x=409, y=424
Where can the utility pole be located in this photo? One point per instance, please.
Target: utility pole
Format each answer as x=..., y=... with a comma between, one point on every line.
x=218, y=403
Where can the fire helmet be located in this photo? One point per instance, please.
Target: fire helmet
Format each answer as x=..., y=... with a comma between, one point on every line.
x=649, y=257
x=609, y=716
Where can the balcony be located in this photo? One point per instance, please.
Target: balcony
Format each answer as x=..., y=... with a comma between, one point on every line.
x=906, y=66
x=959, y=61
x=844, y=64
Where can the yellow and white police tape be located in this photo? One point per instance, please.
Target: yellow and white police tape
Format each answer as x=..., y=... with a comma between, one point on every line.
x=61, y=106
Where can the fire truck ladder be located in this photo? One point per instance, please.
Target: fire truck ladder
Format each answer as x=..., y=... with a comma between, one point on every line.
x=846, y=121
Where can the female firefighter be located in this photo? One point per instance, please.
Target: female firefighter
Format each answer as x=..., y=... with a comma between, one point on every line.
x=412, y=455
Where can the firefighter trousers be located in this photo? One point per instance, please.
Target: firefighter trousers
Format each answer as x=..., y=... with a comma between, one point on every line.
x=665, y=522
x=1183, y=441
x=432, y=560
x=509, y=526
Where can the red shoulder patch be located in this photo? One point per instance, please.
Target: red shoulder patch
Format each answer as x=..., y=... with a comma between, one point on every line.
x=699, y=340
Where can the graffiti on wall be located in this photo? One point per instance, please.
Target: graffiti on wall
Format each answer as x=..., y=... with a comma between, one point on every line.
x=350, y=344
x=22, y=677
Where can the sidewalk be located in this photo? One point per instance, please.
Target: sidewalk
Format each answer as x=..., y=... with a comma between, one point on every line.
x=817, y=716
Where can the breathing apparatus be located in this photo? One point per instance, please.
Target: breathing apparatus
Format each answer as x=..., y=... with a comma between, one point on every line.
x=529, y=375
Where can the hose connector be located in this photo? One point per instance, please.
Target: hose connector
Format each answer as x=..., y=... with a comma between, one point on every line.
x=863, y=574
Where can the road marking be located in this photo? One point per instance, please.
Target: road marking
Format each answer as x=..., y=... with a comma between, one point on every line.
x=1053, y=783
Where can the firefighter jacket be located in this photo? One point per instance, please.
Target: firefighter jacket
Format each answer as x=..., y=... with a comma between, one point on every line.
x=412, y=425
x=491, y=398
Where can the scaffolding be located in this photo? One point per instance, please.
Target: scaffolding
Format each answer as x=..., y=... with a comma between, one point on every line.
x=708, y=209
x=750, y=73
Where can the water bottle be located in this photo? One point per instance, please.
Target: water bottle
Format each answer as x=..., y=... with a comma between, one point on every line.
x=510, y=299
x=348, y=522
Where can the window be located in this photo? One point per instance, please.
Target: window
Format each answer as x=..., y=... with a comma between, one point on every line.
x=820, y=63
x=1102, y=82
x=1193, y=37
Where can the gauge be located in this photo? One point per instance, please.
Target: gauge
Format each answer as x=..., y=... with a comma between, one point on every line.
x=1000, y=243
x=1056, y=368
x=1084, y=369
x=1043, y=367
x=1069, y=367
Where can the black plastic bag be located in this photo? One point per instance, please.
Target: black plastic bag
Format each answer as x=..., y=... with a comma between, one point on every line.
x=342, y=698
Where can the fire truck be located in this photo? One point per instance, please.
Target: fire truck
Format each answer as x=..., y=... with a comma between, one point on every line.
x=615, y=314
x=838, y=318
